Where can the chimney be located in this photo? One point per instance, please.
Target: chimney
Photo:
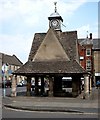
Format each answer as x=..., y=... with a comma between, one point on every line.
x=90, y=35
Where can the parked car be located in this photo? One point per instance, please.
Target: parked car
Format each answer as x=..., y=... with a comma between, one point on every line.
x=24, y=82
x=6, y=83
x=20, y=84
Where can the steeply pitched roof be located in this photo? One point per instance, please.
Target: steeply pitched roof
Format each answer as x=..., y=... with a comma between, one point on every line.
x=38, y=38
x=67, y=43
x=12, y=60
x=66, y=39
x=87, y=41
x=95, y=41
x=50, y=49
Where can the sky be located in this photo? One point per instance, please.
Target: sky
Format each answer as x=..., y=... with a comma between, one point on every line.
x=21, y=19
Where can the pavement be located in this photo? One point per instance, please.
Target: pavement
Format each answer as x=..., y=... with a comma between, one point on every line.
x=55, y=104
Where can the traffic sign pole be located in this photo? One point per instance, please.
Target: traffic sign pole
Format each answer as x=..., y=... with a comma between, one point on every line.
x=4, y=89
x=4, y=69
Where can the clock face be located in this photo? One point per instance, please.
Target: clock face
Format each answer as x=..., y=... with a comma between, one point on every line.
x=54, y=23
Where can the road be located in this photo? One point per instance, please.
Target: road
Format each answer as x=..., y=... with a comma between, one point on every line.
x=7, y=93
x=8, y=90
x=11, y=113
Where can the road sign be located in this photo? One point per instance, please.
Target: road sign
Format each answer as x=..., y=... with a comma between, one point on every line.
x=4, y=67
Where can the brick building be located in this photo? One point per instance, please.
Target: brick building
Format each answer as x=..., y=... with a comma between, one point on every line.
x=89, y=52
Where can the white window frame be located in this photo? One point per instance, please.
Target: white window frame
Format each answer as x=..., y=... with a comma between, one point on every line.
x=81, y=58
x=88, y=51
x=88, y=65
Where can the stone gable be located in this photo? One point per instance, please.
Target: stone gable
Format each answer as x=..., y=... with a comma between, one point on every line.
x=50, y=49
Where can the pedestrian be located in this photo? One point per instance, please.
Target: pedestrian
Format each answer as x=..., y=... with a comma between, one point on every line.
x=98, y=84
x=82, y=85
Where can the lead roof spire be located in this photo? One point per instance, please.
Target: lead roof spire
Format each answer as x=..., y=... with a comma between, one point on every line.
x=55, y=3
x=55, y=19
x=55, y=14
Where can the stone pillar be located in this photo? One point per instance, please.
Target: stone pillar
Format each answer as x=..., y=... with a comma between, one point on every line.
x=86, y=83
x=36, y=86
x=28, y=93
x=57, y=86
x=86, y=86
x=58, y=83
x=42, y=85
x=90, y=83
x=94, y=80
x=14, y=84
x=75, y=86
x=80, y=85
x=50, y=87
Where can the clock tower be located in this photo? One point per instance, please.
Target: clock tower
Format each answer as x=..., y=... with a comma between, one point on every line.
x=55, y=19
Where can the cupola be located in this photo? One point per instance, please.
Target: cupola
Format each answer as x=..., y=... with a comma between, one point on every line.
x=55, y=19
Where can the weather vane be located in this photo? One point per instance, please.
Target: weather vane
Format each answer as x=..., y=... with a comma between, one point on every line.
x=55, y=3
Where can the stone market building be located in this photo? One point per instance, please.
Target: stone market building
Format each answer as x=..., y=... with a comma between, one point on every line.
x=53, y=55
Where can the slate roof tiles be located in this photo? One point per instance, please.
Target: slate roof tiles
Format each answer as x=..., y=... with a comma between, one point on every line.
x=52, y=67
x=12, y=60
x=68, y=40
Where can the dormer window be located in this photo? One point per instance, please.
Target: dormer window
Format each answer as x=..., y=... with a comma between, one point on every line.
x=88, y=52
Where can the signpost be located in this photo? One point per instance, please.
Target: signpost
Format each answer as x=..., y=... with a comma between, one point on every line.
x=4, y=69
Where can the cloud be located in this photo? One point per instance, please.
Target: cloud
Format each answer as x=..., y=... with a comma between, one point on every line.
x=33, y=10
x=82, y=31
x=25, y=17
x=19, y=45
x=94, y=29
x=71, y=6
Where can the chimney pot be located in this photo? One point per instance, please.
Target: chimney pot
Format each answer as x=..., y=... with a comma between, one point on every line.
x=90, y=35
